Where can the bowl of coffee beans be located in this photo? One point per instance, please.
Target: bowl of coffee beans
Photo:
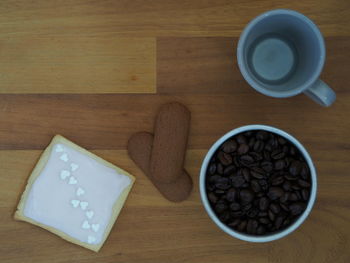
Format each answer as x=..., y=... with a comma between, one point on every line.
x=258, y=183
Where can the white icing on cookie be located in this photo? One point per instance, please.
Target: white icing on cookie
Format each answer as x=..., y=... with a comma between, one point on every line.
x=64, y=157
x=72, y=180
x=75, y=203
x=84, y=205
x=74, y=167
x=85, y=225
x=64, y=174
x=80, y=191
x=59, y=148
x=95, y=227
x=91, y=239
x=89, y=214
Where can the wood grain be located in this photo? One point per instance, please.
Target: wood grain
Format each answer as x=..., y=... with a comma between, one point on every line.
x=208, y=65
x=79, y=64
x=151, y=229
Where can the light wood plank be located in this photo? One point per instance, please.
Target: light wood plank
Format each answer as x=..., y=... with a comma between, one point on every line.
x=76, y=64
x=151, y=229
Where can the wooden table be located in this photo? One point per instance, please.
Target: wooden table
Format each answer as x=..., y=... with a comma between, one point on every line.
x=97, y=71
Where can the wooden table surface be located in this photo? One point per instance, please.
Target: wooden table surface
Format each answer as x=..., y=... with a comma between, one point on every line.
x=97, y=71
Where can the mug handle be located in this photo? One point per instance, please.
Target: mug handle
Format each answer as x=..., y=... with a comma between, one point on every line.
x=321, y=93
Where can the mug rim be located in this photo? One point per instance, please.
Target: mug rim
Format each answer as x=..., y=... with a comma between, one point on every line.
x=243, y=236
x=243, y=68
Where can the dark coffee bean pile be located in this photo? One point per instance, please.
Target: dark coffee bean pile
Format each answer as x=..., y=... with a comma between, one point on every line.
x=258, y=183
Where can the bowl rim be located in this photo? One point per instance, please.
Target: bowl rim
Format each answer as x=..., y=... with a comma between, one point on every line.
x=242, y=236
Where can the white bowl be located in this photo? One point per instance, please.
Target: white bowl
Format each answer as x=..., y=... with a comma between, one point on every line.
x=267, y=237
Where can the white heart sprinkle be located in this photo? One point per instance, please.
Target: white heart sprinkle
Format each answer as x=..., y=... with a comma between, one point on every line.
x=80, y=191
x=75, y=203
x=89, y=214
x=84, y=205
x=74, y=167
x=72, y=180
x=59, y=148
x=64, y=174
x=91, y=239
x=85, y=225
x=95, y=227
x=64, y=157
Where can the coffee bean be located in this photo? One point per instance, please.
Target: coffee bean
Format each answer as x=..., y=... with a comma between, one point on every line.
x=249, y=133
x=285, y=149
x=258, y=146
x=290, y=177
x=261, y=230
x=241, y=139
x=277, y=154
x=271, y=215
x=264, y=220
x=212, y=169
x=260, y=194
x=225, y=216
x=263, y=203
x=296, y=208
x=251, y=142
x=268, y=147
x=255, y=186
x=262, y=214
x=295, y=186
x=245, y=185
x=210, y=187
x=212, y=197
x=305, y=194
x=267, y=166
x=304, y=172
x=295, y=168
x=234, y=223
x=247, y=159
x=246, y=174
x=243, y=149
x=223, y=183
x=229, y=170
x=229, y=146
x=303, y=183
x=275, y=192
x=237, y=213
x=275, y=208
x=285, y=197
x=242, y=226
x=281, y=140
x=231, y=195
x=287, y=186
x=214, y=178
x=257, y=156
x=236, y=161
x=252, y=213
x=235, y=206
x=262, y=135
x=257, y=175
x=279, y=165
x=284, y=207
x=278, y=222
x=246, y=196
x=237, y=180
x=263, y=184
x=267, y=155
x=292, y=151
x=219, y=191
x=252, y=226
x=277, y=180
x=219, y=168
x=293, y=197
x=225, y=158
x=286, y=222
x=220, y=207
x=246, y=207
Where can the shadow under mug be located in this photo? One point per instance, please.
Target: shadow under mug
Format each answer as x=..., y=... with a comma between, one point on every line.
x=281, y=53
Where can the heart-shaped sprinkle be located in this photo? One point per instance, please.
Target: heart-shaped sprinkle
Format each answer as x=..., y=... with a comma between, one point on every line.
x=72, y=180
x=80, y=191
x=74, y=167
x=75, y=203
x=91, y=239
x=64, y=174
x=59, y=148
x=89, y=214
x=84, y=205
x=64, y=157
x=95, y=227
x=85, y=225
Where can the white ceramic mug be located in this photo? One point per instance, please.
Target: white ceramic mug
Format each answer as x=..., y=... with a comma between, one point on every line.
x=281, y=53
x=239, y=235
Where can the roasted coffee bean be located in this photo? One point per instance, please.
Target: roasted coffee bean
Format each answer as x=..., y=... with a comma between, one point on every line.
x=257, y=156
x=278, y=222
x=220, y=207
x=235, y=206
x=275, y=192
x=267, y=155
x=223, y=183
x=268, y=147
x=295, y=168
x=264, y=220
x=258, y=170
x=257, y=175
x=225, y=216
x=295, y=186
x=231, y=195
x=262, y=135
x=286, y=222
x=258, y=146
x=263, y=203
x=290, y=177
x=212, y=169
x=247, y=159
x=262, y=214
x=212, y=197
x=245, y=185
x=305, y=194
x=277, y=154
x=279, y=165
x=238, y=213
x=214, y=178
x=303, y=183
x=219, y=191
x=267, y=166
x=210, y=187
x=251, y=142
x=304, y=172
x=225, y=158
x=246, y=207
x=271, y=215
x=234, y=223
x=296, y=208
x=281, y=140
x=246, y=196
x=252, y=226
x=284, y=207
x=275, y=208
x=249, y=133
x=219, y=168
x=229, y=170
x=285, y=149
x=277, y=180
x=236, y=161
x=264, y=184
x=293, y=197
x=242, y=226
x=243, y=149
x=241, y=139
x=292, y=151
x=252, y=213
x=298, y=193
x=261, y=230
x=237, y=180
x=285, y=197
x=229, y=146
x=246, y=174
x=255, y=186
x=260, y=194
x=287, y=186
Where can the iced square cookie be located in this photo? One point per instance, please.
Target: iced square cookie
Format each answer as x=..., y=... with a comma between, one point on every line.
x=74, y=194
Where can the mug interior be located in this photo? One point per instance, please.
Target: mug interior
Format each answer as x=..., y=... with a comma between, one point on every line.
x=306, y=48
x=243, y=236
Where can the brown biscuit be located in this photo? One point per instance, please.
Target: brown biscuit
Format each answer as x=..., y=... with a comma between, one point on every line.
x=170, y=142
x=140, y=149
